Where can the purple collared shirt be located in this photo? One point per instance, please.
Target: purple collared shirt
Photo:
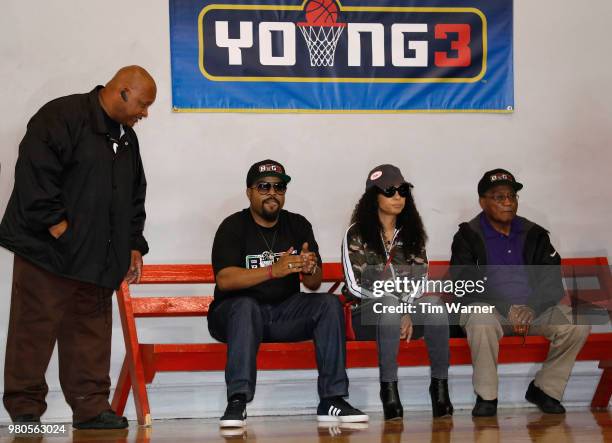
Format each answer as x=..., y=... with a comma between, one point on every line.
x=505, y=272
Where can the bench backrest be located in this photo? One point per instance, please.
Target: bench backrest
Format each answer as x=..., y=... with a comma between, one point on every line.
x=188, y=306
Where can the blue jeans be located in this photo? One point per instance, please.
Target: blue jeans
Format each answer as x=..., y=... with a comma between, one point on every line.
x=243, y=323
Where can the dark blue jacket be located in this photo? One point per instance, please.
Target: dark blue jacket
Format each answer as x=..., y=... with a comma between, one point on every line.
x=469, y=261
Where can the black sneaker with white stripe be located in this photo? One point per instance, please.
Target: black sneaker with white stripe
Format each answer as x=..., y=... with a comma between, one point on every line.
x=235, y=413
x=338, y=409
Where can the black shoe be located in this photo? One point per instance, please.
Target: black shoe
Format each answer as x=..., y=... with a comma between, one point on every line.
x=235, y=413
x=104, y=420
x=441, y=405
x=392, y=406
x=26, y=419
x=543, y=401
x=338, y=409
x=484, y=408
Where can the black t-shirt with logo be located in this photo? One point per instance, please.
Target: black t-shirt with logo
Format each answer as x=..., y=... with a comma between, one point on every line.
x=241, y=242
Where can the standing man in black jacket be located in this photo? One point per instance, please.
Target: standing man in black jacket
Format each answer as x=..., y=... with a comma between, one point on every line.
x=75, y=223
x=522, y=275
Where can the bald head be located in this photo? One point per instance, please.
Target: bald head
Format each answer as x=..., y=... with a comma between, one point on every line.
x=127, y=96
x=131, y=76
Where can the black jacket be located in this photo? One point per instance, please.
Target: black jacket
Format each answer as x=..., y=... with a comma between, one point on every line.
x=469, y=259
x=67, y=169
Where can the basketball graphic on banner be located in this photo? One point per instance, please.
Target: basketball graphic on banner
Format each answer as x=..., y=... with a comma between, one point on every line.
x=321, y=31
x=322, y=12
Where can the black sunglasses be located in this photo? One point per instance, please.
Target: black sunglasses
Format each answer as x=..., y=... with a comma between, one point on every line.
x=265, y=187
x=403, y=189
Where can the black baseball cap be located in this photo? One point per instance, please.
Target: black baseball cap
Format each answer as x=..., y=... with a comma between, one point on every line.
x=384, y=176
x=497, y=177
x=266, y=168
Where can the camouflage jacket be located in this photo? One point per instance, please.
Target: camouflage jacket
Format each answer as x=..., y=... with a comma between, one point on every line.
x=365, y=269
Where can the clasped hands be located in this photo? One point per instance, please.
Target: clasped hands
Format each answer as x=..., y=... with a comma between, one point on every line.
x=520, y=316
x=290, y=263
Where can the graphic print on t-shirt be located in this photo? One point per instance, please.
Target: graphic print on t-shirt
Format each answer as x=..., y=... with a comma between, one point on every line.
x=264, y=259
x=239, y=243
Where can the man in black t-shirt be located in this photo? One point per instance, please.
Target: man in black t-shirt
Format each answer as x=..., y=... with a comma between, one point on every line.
x=258, y=255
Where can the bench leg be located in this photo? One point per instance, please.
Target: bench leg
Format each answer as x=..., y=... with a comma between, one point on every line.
x=122, y=390
x=133, y=356
x=139, y=390
x=132, y=377
x=601, y=398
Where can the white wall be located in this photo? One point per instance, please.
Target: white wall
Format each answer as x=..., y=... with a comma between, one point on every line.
x=557, y=143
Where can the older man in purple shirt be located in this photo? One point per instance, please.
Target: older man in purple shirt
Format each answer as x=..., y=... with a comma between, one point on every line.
x=506, y=272
x=523, y=283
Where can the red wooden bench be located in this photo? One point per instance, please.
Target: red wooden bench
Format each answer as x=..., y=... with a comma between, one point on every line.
x=144, y=360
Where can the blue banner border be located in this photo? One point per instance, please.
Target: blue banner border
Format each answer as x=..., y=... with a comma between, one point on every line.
x=509, y=108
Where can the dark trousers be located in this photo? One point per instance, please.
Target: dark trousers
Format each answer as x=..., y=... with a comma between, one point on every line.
x=243, y=323
x=385, y=329
x=46, y=309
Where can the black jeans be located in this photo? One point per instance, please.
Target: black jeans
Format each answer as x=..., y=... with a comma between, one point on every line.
x=243, y=323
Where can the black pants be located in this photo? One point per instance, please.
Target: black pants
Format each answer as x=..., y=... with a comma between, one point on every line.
x=46, y=309
x=243, y=323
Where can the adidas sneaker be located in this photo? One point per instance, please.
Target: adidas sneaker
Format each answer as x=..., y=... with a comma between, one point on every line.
x=235, y=413
x=338, y=409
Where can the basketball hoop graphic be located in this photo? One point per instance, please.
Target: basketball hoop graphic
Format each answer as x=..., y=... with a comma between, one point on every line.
x=321, y=31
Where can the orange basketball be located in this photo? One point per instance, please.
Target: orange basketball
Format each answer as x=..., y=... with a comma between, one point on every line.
x=321, y=12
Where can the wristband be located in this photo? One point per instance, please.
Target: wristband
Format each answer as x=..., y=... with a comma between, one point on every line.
x=270, y=276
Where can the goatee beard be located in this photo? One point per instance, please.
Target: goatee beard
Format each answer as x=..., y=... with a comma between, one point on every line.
x=268, y=215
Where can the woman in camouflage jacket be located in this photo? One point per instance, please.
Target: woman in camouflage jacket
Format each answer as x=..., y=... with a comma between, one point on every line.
x=386, y=244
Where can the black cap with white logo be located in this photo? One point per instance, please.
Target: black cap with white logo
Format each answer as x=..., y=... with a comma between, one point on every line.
x=497, y=177
x=266, y=168
x=384, y=176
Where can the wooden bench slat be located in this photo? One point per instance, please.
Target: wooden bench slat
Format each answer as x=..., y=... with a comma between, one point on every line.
x=196, y=305
x=360, y=354
x=203, y=273
x=191, y=306
x=177, y=274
